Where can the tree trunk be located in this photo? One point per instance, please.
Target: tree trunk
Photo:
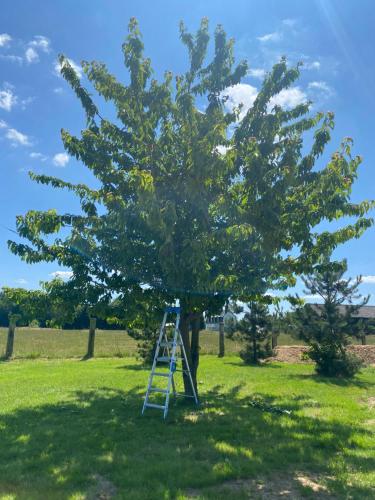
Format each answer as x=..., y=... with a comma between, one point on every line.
x=363, y=339
x=274, y=340
x=221, y=338
x=91, y=341
x=255, y=353
x=195, y=329
x=191, y=348
x=10, y=339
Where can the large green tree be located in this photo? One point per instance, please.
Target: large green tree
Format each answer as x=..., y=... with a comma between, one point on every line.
x=193, y=200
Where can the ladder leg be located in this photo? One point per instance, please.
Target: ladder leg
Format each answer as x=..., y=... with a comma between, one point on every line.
x=154, y=362
x=188, y=370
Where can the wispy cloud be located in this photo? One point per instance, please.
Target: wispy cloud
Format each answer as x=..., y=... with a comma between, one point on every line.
x=65, y=275
x=311, y=65
x=258, y=73
x=7, y=98
x=41, y=43
x=58, y=90
x=60, y=159
x=276, y=36
x=31, y=55
x=38, y=156
x=77, y=69
x=289, y=22
x=5, y=39
x=11, y=58
x=369, y=279
x=17, y=138
x=21, y=281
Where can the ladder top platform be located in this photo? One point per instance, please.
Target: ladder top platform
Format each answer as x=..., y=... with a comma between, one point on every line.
x=173, y=309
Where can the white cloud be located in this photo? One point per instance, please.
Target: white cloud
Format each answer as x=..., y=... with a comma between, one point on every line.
x=323, y=86
x=370, y=279
x=289, y=22
x=270, y=37
x=60, y=159
x=257, y=73
x=221, y=149
x=312, y=296
x=5, y=39
x=21, y=281
x=242, y=93
x=58, y=90
x=40, y=42
x=289, y=98
x=17, y=138
x=3, y=124
x=65, y=275
x=7, y=98
x=38, y=156
x=11, y=58
x=311, y=65
x=77, y=69
x=31, y=55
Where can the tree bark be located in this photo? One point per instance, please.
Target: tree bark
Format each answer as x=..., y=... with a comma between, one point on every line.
x=221, y=338
x=191, y=348
x=255, y=353
x=10, y=339
x=274, y=340
x=91, y=340
x=363, y=339
x=195, y=329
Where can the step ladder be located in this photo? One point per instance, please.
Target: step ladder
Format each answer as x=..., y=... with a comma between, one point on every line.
x=166, y=355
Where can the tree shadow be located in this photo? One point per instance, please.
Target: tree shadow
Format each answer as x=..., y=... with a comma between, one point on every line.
x=264, y=365
x=338, y=381
x=65, y=447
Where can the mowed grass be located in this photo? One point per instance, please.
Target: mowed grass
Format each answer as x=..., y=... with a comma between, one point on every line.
x=71, y=429
x=54, y=344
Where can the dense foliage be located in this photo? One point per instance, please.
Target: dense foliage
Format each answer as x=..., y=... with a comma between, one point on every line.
x=192, y=200
x=328, y=327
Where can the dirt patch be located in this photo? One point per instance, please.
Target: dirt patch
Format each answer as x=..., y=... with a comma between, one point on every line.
x=371, y=403
x=292, y=486
x=296, y=353
x=102, y=489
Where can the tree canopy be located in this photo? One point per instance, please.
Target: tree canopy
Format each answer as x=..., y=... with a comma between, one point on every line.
x=193, y=200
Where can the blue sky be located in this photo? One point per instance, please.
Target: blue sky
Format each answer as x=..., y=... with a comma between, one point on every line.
x=334, y=39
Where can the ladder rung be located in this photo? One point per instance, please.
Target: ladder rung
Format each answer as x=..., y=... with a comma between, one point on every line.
x=159, y=374
x=168, y=344
x=181, y=370
x=156, y=389
x=152, y=405
x=164, y=359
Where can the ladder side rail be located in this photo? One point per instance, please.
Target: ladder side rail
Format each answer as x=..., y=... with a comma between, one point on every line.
x=172, y=360
x=169, y=355
x=154, y=361
x=188, y=368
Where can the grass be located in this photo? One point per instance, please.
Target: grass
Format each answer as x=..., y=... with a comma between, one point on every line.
x=73, y=430
x=36, y=343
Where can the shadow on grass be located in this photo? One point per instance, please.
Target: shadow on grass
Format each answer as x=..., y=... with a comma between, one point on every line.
x=252, y=366
x=338, y=381
x=58, y=450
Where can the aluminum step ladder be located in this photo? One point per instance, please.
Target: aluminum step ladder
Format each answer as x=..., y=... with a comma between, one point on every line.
x=166, y=354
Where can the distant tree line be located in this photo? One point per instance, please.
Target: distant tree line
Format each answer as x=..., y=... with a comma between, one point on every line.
x=52, y=306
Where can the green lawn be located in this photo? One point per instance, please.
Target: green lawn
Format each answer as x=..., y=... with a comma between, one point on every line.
x=51, y=343
x=73, y=429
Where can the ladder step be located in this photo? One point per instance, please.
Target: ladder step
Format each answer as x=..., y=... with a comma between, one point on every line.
x=159, y=374
x=169, y=344
x=156, y=389
x=181, y=370
x=152, y=405
x=164, y=359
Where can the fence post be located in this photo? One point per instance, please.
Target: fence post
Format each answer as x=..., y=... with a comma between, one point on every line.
x=10, y=338
x=274, y=340
x=221, y=338
x=91, y=340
